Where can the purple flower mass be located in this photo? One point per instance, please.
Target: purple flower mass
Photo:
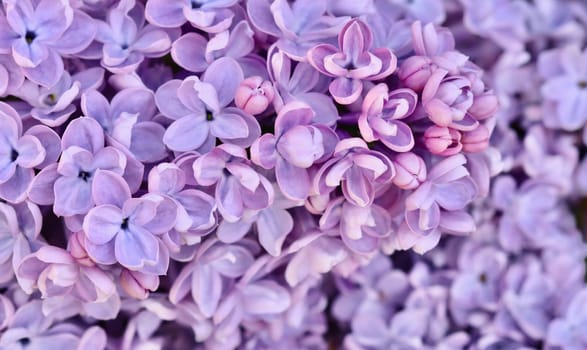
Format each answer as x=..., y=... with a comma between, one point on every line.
x=311, y=174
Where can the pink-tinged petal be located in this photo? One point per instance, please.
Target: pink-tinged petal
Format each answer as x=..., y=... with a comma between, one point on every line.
x=78, y=35
x=388, y=61
x=72, y=196
x=423, y=221
x=48, y=72
x=93, y=338
x=273, y=226
x=263, y=152
x=29, y=55
x=166, y=178
x=456, y=194
x=301, y=146
x=357, y=188
x=345, y=91
x=228, y=126
x=259, y=199
x=136, y=247
x=109, y=158
x=405, y=238
x=294, y=182
x=403, y=141
x=41, y=188
x=109, y=188
x=229, y=199
x=427, y=242
x=165, y=215
x=186, y=134
x=208, y=169
x=30, y=151
x=165, y=13
x=317, y=55
x=102, y=223
x=355, y=38
x=292, y=114
x=189, y=52
x=253, y=128
x=168, y=102
x=85, y=133
x=153, y=43
x=225, y=75
x=181, y=285
x=206, y=289
x=15, y=189
x=246, y=176
x=265, y=297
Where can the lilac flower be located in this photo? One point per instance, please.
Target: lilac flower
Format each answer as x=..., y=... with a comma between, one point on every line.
x=52, y=106
x=361, y=228
x=302, y=83
x=20, y=227
x=37, y=33
x=410, y=171
x=56, y=273
x=194, y=53
x=128, y=40
x=124, y=229
x=565, y=87
x=238, y=187
x=296, y=146
x=565, y=331
x=200, y=110
x=381, y=114
x=298, y=26
x=437, y=206
x=353, y=61
x=21, y=154
x=211, y=16
x=357, y=169
x=427, y=11
x=68, y=185
x=196, y=209
x=127, y=120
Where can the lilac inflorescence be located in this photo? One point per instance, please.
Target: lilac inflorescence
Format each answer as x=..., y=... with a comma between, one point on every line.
x=311, y=174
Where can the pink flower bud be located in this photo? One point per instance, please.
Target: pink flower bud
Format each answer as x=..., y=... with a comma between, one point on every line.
x=77, y=249
x=442, y=140
x=137, y=284
x=484, y=106
x=254, y=95
x=415, y=72
x=410, y=171
x=476, y=140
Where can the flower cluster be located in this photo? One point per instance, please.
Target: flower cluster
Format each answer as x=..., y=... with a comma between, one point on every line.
x=272, y=174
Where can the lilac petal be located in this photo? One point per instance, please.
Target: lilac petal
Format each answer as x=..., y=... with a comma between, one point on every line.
x=48, y=72
x=153, y=42
x=168, y=102
x=253, y=128
x=166, y=178
x=388, y=60
x=357, y=188
x=102, y=223
x=78, y=35
x=7, y=169
x=165, y=215
x=265, y=297
x=227, y=126
x=230, y=232
x=165, y=13
x=427, y=242
x=146, y=142
x=229, y=199
x=93, y=338
x=291, y=115
x=186, y=134
x=345, y=91
x=457, y=194
x=49, y=140
x=261, y=17
x=30, y=151
x=189, y=52
x=263, y=151
x=134, y=101
x=403, y=141
x=370, y=331
x=109, y=188
x=317, y=55
x=457, y=222
x=225, y=75
x=136, y=247
x=102, y=254
x=85, y=133
x=41, y=188
x=355, y=38
x=72, y=196
x=273, y=226
x=15, y=189
x=206, y=289
x=294, y=182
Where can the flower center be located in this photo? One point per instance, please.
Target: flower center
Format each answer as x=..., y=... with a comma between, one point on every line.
x=582, y=84
x=483, y=277
x=13, y=155
x=24, y=341
x=30, y=36
x=124, y=224
x=209, y=116
x=51, y=100
x=84, y=175
x=195, y=4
